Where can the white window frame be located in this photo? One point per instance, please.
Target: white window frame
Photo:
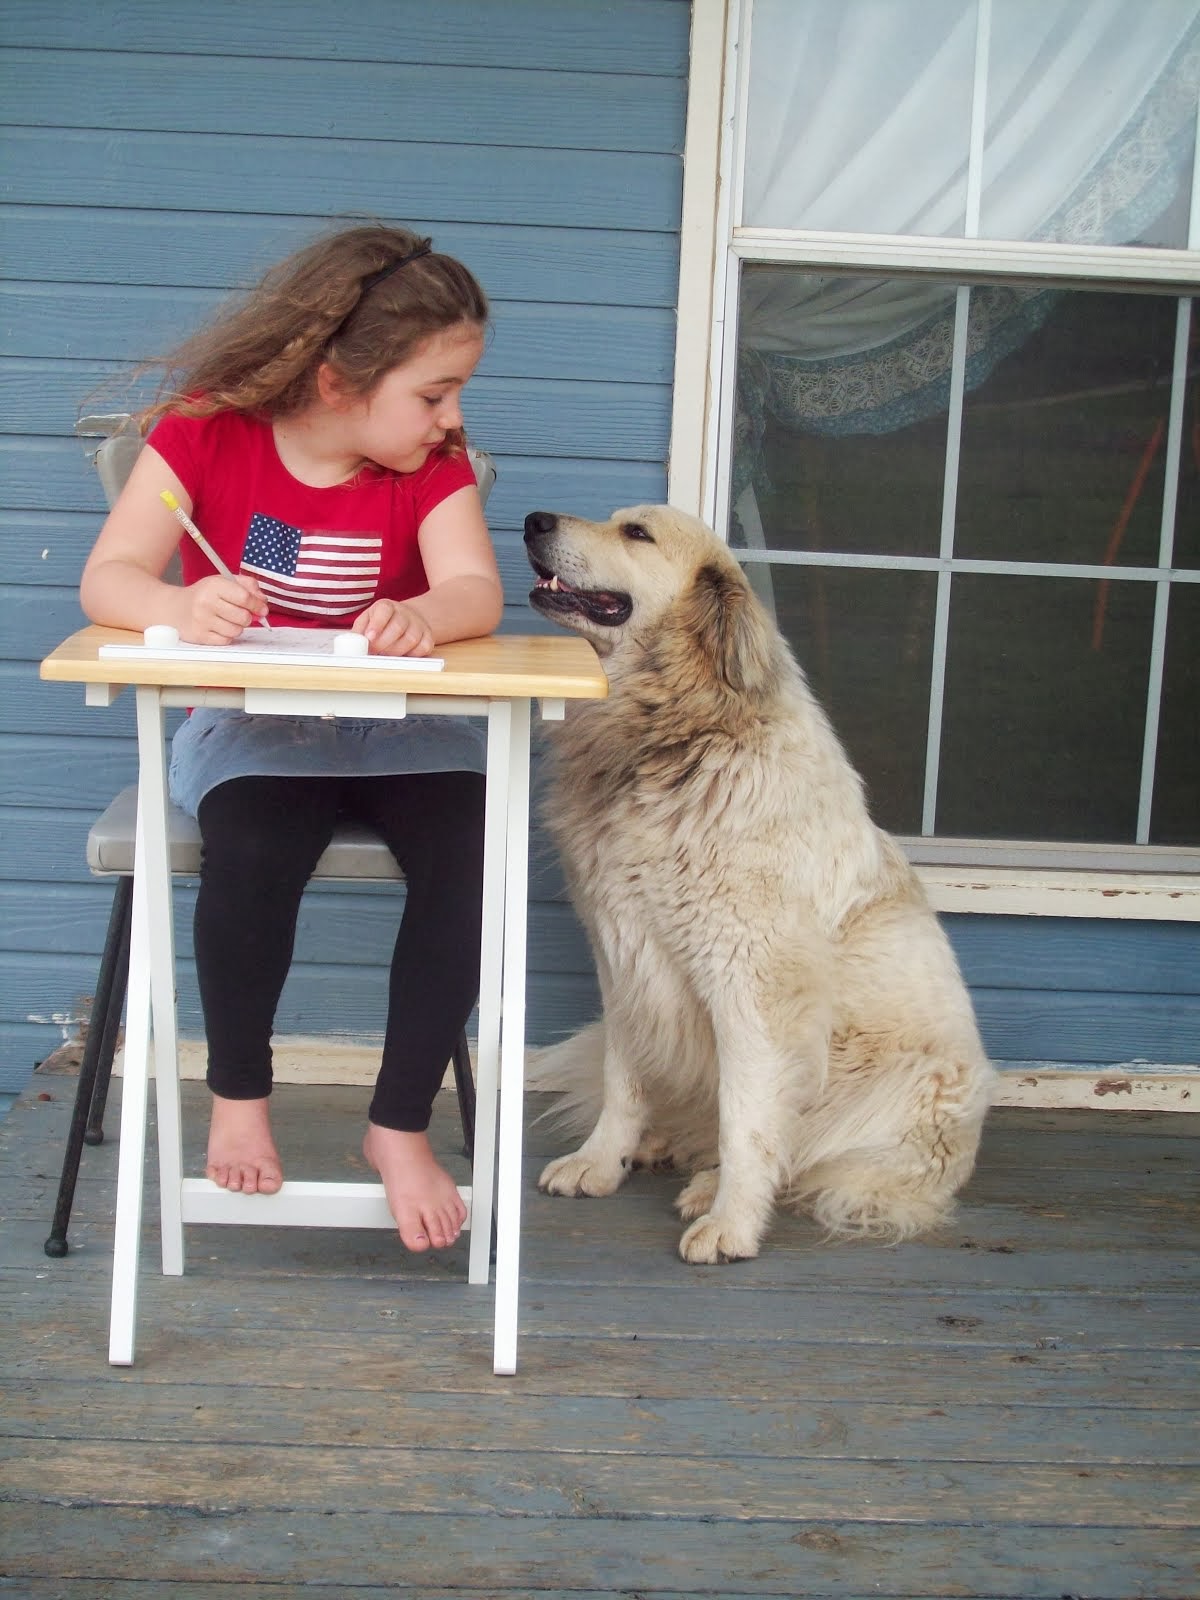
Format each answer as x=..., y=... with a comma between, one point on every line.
x=977, y=875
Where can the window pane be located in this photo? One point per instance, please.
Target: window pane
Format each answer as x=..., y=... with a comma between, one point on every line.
x=1175, y=818
x=1043, y=722
x=1091, y=121
x=859, y=115
x=864, y=640
x=1064, y=442
x=842, y=387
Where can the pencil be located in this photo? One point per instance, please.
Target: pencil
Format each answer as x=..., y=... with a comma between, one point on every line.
x=172, y=505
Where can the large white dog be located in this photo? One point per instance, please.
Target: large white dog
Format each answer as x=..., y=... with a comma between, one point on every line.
x=782, y=1012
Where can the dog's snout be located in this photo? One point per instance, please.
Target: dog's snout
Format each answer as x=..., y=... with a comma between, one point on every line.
x=540, y=522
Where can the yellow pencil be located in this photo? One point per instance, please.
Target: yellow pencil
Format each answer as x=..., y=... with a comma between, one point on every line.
x=172, y=505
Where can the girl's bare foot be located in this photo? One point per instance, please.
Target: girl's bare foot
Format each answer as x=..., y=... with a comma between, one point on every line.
x=421, y=1194
x=241, y=1152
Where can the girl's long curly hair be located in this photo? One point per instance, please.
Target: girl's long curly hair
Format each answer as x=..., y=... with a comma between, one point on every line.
x=262, y=353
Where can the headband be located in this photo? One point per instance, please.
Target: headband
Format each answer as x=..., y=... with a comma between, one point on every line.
x=369, y=283
x=385, y=272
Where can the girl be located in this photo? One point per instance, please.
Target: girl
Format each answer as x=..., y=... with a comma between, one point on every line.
x=314, y=432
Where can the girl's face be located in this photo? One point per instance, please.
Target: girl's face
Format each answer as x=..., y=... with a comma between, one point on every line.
x=412, y=408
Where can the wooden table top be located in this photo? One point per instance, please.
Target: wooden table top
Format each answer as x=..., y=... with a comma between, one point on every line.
x=502, y=666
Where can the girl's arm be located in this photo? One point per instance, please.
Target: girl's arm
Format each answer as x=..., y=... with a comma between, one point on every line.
x=122, y=584
x=465, y=598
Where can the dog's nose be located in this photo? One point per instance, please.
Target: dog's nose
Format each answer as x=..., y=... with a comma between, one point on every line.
x=540, y=522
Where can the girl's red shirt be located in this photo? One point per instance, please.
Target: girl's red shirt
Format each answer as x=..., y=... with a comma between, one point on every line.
x=321, y=556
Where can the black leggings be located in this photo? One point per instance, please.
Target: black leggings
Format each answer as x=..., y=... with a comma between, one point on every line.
x=262, y=837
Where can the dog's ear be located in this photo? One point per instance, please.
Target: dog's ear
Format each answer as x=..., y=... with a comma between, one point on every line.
x=730, y=627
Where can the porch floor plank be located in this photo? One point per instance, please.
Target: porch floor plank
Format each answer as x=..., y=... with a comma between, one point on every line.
x=1007, y=1409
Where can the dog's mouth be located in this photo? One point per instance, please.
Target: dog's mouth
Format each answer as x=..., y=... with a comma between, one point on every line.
x=607, y=608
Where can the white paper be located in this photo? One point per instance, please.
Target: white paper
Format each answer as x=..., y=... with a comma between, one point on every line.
x=301, y=647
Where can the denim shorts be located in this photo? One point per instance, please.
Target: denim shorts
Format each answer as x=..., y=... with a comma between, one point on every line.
x=213, y=746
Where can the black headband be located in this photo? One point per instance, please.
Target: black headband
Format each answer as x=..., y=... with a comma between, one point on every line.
x=369, y=283
x=385, y=272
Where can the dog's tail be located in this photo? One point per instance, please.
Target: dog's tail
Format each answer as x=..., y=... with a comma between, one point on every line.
x=573, y=1071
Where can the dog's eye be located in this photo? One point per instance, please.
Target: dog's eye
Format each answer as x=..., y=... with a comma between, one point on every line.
x=636, y=530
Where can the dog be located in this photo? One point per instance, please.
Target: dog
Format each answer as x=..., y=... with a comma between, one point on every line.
x=782, y=1012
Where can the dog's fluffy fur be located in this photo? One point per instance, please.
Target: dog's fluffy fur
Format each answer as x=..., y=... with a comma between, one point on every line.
x=782, y=1012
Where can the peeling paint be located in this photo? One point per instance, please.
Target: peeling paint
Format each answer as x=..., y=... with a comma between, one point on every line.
x=67, y=1021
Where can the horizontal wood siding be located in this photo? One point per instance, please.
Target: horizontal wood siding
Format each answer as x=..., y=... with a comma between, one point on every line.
x=640, y=38
x=159, y=156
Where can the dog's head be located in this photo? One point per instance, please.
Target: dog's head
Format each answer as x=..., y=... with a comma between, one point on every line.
x=648, y=573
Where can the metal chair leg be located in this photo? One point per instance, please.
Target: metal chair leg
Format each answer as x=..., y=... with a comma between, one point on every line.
x=94, y=1132
x=95, y=1070
x=464, y=1082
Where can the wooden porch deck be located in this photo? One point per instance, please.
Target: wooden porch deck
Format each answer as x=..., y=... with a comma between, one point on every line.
x=1007, y=1410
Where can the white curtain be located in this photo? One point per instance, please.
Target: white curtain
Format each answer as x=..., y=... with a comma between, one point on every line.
x=859, y=111
x=858, y=120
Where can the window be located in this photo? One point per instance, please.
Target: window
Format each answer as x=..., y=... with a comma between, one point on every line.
x=954, y=429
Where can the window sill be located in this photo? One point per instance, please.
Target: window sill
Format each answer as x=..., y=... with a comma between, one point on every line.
x=1058, y=891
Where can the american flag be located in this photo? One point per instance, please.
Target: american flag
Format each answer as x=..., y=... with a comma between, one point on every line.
x=310, y=571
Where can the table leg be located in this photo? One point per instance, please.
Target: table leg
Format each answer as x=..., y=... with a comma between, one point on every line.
x=155, y=871
x=132, y=1149
x=512, y=1048
x=487, y=1088
x=151, y=984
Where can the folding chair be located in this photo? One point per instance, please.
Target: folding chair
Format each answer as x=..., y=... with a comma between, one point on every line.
x=354, y=854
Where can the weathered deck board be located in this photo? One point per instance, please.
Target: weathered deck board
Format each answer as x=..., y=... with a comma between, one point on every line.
x=1007, y=1409
x=649, y=1368
x=210, y=1414
x=530, y=1555
x=635, y=1481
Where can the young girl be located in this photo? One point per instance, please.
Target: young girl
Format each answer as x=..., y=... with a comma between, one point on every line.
x=314, y=433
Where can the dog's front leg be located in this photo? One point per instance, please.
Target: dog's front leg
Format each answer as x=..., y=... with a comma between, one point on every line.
x=603, y=1161
x=757, y=1100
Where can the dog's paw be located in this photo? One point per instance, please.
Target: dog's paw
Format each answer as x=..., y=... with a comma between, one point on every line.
x=698, y=1196
x=711, y=1240
x=580, y=1174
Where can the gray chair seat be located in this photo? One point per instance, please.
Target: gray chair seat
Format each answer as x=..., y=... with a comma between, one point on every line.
x=353, y=852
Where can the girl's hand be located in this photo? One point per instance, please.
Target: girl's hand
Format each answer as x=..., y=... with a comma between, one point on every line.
x=215, y=610
x=395, y=628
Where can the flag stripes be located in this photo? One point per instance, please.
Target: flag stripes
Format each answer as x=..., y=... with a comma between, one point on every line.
x=311, y=571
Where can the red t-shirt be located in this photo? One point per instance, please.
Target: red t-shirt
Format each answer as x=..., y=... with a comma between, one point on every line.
x=321, y=556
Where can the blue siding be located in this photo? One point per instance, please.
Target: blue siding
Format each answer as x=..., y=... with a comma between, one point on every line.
x=636, y=37
x=158, y=156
